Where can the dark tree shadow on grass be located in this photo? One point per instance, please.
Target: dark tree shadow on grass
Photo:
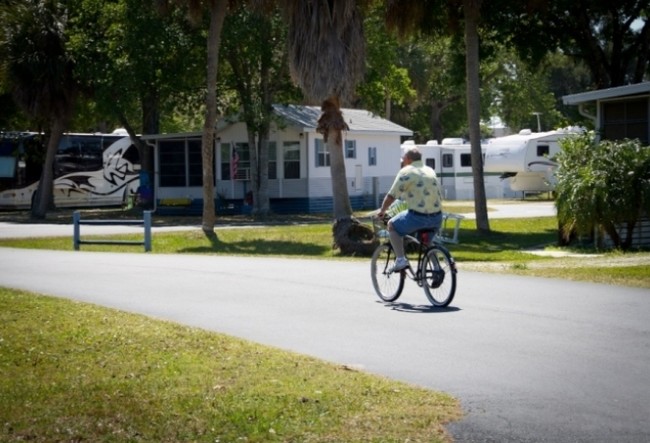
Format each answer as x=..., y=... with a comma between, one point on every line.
x=256, y=247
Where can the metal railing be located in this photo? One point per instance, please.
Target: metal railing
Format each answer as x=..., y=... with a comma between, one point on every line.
x=145, y=222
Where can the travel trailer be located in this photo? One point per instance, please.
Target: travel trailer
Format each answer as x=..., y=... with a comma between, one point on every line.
x=452, y=161
x=525, y=159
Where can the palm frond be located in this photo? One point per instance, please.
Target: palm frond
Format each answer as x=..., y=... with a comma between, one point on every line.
x=326, y=47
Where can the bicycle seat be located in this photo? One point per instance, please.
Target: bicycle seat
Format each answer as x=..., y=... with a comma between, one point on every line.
x=425, y=235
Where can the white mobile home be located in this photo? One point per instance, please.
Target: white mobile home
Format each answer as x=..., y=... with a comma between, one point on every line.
x=299, y=172
x=526, y=158
x=452, y=161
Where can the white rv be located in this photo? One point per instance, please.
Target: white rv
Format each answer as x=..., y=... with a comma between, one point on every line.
x=452, y=161
x=525, y=159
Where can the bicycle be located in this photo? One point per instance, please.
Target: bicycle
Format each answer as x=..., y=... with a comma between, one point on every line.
x=435, y=270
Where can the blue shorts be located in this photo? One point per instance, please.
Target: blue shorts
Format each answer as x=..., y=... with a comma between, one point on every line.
x=407, y=222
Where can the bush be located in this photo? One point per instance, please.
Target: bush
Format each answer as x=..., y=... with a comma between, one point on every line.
x=602, y=184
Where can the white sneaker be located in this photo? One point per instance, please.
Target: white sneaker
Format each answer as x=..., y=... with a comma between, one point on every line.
x=400, y=264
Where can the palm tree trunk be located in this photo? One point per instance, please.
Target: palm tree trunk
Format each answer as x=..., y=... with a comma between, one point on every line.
x=471, y=10
x=331, y=124
x=217, y=17
x=342, y=206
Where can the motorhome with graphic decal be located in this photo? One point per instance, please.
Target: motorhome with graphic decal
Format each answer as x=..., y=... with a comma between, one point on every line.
x=90, y=170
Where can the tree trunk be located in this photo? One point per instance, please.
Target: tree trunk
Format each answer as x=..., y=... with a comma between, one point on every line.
x=435, y=123
x=350, y=236
x=150, y=125
x=45, y=192
x=472, y=12
x=217, y=17
x=331, y=124
x=342, y=207
x=262, y=204
x=145, y=153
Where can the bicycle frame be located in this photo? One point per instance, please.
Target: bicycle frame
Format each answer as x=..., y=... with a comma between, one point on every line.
x=435, y=270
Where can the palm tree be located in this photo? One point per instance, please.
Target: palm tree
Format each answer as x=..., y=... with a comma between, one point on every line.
x=40, y=73
x=327, y=58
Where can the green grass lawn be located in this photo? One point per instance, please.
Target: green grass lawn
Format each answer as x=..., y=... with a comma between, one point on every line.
x=76, y=372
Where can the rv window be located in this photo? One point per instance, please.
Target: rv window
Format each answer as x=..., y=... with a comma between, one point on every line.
x=466, y=160
x=543, y=150
x=447, y=161
x=431, y=162
x=7, y=167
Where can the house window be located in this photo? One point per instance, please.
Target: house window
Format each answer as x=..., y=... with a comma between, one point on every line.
x=350, y=149
x=626, y=119
x=225, y=161
x=431, y=162
x=235, y=161
x=241, y=162
x=273, y=161
x=173, y=161
x=322, y=153
x=447, y=160
x=466, y=160
x=543, y=150
x=372, y=156
x=195, y=162
x=291, y=158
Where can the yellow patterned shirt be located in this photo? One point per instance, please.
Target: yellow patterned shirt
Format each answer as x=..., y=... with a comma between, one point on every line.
x=417, y=185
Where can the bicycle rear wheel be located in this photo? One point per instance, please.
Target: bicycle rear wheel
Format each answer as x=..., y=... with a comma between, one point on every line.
x=388, y=285
x=439, y=276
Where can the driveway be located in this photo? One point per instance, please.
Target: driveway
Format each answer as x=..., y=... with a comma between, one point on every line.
x=531, y=359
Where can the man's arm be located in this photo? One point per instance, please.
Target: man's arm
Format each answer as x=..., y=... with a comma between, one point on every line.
x=388, y=200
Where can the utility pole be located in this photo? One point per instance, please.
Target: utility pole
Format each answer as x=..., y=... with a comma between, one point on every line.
x=539, y=124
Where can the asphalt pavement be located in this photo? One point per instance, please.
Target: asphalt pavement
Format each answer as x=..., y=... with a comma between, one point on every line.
x=531, y=359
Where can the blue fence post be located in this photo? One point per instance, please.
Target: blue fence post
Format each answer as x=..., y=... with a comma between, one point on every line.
x=145, y=222
x=76, y=217
x=147, y=231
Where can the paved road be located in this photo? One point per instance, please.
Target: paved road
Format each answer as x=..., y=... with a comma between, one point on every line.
x=532, y=360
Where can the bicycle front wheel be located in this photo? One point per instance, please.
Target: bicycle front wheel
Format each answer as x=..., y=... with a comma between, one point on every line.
x=439, y=276
x=388, y=285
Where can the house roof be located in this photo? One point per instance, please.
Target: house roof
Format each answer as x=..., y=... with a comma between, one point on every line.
x=358, y=120
x=600, y=94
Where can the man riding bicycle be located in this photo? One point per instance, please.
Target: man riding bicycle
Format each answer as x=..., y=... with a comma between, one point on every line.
x=416, y=185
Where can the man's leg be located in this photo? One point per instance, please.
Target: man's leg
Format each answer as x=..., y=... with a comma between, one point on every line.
x=396, y=240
